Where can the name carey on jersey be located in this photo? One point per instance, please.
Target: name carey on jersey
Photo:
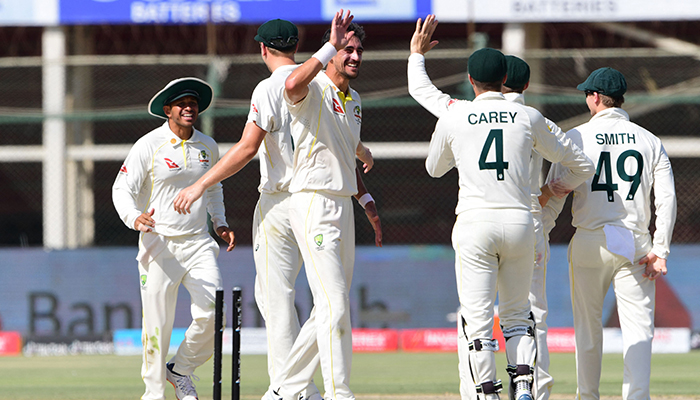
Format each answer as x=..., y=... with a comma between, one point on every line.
x=615, y=138
x=492, y=117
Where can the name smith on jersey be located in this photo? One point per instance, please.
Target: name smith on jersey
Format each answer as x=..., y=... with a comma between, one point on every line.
x=615, y=138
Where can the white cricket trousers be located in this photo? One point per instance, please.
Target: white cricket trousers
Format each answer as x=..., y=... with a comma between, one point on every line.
x=191, y=261
x=538, y=303
x=494, y=251
x=277, y=264
x=324, y=226
x=592, y=269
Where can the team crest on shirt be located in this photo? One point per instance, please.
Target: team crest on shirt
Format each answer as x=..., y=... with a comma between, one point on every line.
x=318, y=239
x=143, y=280
x=204, y=159
x=337, y=108
x=357, y=113
x=172, y=166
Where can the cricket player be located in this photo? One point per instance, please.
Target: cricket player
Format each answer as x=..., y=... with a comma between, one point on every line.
x=276, y=253
x=326, y=120
x=174, y=249
x=490, y=142
x=516, y=83
x=612, y=244
x=438, y=103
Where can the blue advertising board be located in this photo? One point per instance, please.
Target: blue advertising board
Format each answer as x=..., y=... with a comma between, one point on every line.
x=233, y=11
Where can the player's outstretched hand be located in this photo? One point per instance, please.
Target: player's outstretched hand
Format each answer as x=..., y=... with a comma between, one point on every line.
x=145, y=221
x=186, y=197
x=365, y=155
x=422, y=42
x=373, y=217
x=339, y=30
x=228, y=236
x=656, y=266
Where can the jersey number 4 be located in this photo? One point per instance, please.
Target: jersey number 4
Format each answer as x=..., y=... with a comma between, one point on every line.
x=605, y=168
x=495, y=135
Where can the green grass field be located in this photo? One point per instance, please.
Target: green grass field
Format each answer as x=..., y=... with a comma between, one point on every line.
x=385, y=375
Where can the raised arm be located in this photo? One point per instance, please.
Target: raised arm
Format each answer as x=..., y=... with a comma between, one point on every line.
x=233, y=161
x=297, y=85
x=422, y=42
x=419, y=85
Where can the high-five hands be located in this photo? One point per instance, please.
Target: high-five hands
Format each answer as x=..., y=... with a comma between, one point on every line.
x=340, y=37
x=421, y=42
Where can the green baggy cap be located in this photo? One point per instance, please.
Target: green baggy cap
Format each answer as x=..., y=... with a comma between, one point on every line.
x=607, y=81
x=178, y=89
x=279, y=34
x=487, y=65
x=518, y=72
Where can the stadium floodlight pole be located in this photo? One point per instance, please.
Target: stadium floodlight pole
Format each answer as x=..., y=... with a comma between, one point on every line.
x=237, y=320
x=218, y=341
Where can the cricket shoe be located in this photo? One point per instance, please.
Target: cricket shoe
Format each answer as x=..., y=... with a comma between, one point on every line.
x=523, y=387
x=184, y=388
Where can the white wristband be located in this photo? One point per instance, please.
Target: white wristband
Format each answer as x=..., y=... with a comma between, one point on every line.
x=364, y=199
x=325, y=53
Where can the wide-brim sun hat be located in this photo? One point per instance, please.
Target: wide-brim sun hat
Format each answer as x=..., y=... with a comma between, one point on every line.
x=179, y=88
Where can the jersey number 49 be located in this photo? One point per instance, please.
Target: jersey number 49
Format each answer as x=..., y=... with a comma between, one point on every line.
x=605, y=168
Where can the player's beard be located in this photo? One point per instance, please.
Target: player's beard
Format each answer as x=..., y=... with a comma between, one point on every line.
x=350, y=75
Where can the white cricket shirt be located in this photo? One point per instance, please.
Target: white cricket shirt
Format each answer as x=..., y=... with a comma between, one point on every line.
x=438, y=103
x=157, y=168
x=630, y=162
x=326, y=131
x=269, y=112
x=537, y=160
x=490, y=141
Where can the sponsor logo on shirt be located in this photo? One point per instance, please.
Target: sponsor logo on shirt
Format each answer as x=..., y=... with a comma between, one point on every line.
x=337, y=108
x=357, y=113
x=318, y=239
x=204, y=159
x=123, y=169
x=171, y=164
x=451, y=102
x=255, y=110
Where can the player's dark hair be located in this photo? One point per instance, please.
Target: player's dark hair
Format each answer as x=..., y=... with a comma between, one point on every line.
x=357, y=28
x=609, y=101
